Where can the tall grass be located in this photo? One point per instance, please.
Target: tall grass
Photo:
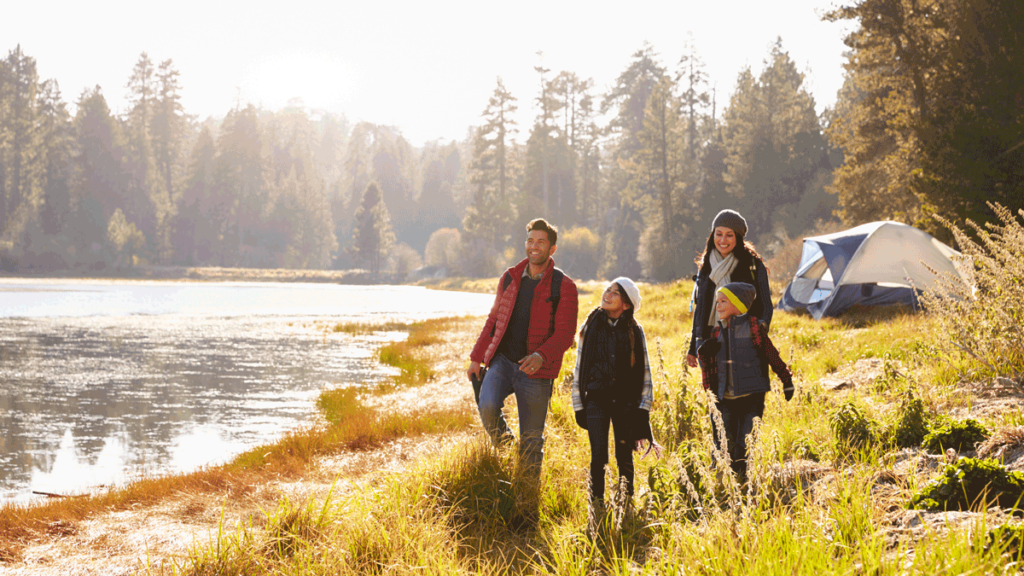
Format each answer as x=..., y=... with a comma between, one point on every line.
x=983, y=315
x=813, y=504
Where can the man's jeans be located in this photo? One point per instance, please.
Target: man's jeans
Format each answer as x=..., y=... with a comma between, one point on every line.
x=503, y=379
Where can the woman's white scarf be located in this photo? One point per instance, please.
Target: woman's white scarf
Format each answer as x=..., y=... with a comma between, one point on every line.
x=721, y=274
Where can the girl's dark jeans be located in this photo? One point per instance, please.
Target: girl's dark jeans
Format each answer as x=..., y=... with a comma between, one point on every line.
x=601, y=412
x=738, y=419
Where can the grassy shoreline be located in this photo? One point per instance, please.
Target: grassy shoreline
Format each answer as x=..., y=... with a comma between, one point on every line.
x=343, y=422
x=816, y=502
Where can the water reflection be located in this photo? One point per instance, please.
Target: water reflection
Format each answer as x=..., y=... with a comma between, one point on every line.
x=89, y=400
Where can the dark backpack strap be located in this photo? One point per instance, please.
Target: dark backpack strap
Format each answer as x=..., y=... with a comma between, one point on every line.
x=556, y=296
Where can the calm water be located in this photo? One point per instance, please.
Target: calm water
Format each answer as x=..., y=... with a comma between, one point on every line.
x=103, y=381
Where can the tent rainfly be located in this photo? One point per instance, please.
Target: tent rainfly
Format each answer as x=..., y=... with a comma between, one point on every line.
x=874, y=264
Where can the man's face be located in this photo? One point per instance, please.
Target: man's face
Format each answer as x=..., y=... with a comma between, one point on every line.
x=538, y=247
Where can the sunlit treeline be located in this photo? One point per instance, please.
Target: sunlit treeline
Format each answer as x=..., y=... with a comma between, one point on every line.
x=930, y=120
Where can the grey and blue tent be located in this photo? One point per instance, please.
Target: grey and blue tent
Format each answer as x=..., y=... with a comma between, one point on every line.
x=876, y=264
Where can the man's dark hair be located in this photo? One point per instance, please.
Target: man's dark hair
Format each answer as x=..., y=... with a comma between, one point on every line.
x=542, y=224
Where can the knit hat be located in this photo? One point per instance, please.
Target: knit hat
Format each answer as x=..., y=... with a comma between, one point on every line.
x=631, y=290
x=731, y=220
x=740, y=294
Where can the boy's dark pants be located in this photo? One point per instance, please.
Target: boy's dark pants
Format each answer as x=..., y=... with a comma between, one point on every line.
x=738, y=418
x=599, y=414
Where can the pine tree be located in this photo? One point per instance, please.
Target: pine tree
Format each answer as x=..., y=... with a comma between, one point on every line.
x=773, y=145
x=487, y=223
x=436, y=205
x=242, y=181
x=56, y=138
x=139, y=205
x=197, y=225
x=169, y=126
x=589, y=162
x=973, y=131
x=20, y=145
x=658, y=167
x=895, y=51
x=628, y=98
x=98, y=187
x=372, y=233
x=694, y=98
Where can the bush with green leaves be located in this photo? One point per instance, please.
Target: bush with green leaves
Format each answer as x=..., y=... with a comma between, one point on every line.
x=910, y=424
x=971, y=483
x=851, y=427
x=959, y=435
x=1008, y=537
x=804, y=449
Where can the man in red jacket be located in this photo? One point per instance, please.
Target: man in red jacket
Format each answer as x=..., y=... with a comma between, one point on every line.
x=531, y=325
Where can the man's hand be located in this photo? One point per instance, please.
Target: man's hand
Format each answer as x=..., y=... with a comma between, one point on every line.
x=650, y=446
x=474, y=370
x=691, y=360
x=530, y=364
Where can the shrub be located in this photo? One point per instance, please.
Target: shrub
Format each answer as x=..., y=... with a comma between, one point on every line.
x=805, y=450
x=579, y=253
x=959, y=435
x=1008, y=538
x=442, y=248
x=910, y=426
x=981, y=316
x=852, y=428
x=963, y=483
x=402, y=259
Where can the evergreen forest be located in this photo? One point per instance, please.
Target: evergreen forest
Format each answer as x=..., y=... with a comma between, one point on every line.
x=930, y=121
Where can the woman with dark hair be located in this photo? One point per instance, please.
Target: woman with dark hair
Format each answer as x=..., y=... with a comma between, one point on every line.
x=726, y=258
x=612, y=385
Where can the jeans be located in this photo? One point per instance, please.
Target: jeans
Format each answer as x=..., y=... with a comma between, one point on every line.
x=599, y=414
x=503, y=379
x=738, y=419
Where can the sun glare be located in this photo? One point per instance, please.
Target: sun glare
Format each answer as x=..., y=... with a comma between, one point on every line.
x=321, y=81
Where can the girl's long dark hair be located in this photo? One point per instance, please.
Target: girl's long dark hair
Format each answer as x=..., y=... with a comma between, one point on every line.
x=745, y=251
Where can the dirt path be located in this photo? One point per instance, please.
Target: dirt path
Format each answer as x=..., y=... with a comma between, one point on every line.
x=126, y=541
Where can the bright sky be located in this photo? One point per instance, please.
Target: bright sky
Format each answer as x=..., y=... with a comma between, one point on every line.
x=426, y=67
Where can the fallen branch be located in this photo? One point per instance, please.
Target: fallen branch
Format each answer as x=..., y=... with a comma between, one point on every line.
x=52, y=495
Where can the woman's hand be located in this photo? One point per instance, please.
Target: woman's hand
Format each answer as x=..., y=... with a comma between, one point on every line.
x=691, y=360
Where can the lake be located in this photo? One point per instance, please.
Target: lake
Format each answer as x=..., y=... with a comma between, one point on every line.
x=102, y=382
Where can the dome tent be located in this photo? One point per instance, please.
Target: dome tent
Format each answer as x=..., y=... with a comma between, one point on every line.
x=874, y=264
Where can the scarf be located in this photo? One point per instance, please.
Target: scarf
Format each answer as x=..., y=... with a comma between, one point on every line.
x=721, y=274
x=595, y=334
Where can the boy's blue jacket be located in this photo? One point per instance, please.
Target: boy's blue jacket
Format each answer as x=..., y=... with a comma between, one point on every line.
x=751, y=352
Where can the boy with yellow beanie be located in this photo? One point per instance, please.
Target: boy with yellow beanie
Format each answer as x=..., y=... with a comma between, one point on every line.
x=735, y=361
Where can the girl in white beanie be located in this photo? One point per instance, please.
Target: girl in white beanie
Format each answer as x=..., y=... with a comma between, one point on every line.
x=612, y=384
